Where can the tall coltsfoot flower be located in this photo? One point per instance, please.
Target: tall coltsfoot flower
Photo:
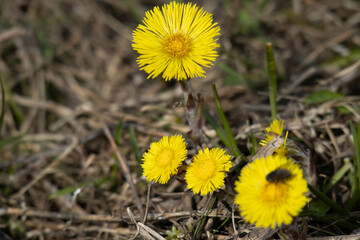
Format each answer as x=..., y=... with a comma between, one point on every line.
x=177, y=40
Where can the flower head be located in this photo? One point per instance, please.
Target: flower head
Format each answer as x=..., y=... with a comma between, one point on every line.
x=177, y=41
x=275, y=129
x=206, y=172
x=282, y=150
x=271, y=191
x=163, y=158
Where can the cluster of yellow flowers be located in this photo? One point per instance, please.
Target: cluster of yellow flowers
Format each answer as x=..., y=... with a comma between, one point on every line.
x=178, y=40
x=270, y=191
x=205, y=174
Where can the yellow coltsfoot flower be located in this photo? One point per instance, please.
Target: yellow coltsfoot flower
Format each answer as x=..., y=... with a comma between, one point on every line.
x=282, y=151
x=206, y=172
x=177, y=40
x=164, y=158
x=271, y=191
x=275, y=129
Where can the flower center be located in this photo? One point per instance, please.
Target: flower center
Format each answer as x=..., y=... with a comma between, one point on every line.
x=275, y=193
x=207, y=169
x=177, y=45
x=165, y=158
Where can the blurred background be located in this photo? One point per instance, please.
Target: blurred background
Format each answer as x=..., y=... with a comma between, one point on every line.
x=68, y=70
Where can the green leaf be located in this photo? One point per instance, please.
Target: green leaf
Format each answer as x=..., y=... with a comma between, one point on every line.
x=328, y=201
x=344, y=61
x=343, y=110
x=316, y=208
x=322, y=96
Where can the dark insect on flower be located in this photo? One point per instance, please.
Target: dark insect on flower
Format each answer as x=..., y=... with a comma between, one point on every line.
x=279, y=175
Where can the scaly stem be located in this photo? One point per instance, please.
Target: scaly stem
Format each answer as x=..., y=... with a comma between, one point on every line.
x=193, y=111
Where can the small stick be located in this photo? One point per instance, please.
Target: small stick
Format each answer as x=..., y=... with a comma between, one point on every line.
x=145, y=230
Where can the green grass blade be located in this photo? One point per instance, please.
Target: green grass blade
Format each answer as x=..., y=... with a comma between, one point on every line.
x=13, y=106
x=357, y=155
x=354, y=200
x=71, y=189
x=337, y=176
x=136, y=149
x=10, y=140
x=45, y=45
x=236, y=152
x=222, y=224
x=218, y=129
x=118, y=133
x=197, y=232
x=2, y=114
x=19, y=116
x=358, y=135
x=135, y=143
x=272, y=79
x=322, y=230
x=68, y=190
x=328, y=201
x=99, y=181
x=254, y=145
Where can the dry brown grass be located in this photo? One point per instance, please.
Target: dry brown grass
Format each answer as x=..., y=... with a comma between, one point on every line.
x=71, y=76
